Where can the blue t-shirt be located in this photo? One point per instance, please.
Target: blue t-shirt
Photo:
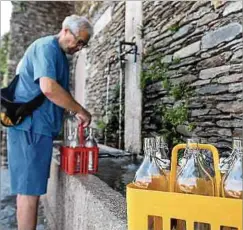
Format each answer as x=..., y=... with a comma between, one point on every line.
x=43, y=58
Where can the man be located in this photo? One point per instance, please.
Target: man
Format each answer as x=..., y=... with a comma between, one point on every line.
x=44, y=68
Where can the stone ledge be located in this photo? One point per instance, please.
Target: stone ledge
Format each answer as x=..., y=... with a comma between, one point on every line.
x=82, y=202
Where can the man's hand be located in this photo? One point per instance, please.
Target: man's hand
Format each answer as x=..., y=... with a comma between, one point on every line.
x=59, y=96
x=84, y=117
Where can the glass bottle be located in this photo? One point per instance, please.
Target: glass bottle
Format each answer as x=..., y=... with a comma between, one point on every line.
x=224, y=164
x=162, y=152
x=150, y=175
x=194, y=178
x=160, y=166
x=158, y=178
x=90, y=142
x=232, y=181
x=231, y=186
x=142, y=177
x=71, y=135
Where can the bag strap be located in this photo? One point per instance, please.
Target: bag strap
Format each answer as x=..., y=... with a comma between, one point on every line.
x=28, y=107
x=8, y=92
x=23, y=109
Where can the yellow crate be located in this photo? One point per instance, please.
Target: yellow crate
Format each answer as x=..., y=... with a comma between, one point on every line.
x=215, y=211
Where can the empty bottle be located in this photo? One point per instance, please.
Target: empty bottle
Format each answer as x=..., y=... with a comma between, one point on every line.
x=142, y=177
x=71, y=135
x=232, y=181
x=231, y=186
x=152, y=174
x=195, y=178
x=160, y=166
x=90, y=142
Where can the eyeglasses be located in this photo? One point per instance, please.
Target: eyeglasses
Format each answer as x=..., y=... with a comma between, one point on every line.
x=80, y=42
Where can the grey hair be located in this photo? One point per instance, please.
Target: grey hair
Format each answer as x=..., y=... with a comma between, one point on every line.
x=77, y=23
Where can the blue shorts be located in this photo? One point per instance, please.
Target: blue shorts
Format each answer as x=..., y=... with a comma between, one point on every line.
x=29, y=158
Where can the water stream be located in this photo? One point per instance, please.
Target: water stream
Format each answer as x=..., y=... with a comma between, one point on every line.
x=107, y=105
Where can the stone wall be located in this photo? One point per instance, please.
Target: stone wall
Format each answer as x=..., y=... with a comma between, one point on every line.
x=203, y=47
x=107, y=34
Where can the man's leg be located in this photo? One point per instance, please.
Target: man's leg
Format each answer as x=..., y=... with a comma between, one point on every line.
x=29, y=156
x=27, y=208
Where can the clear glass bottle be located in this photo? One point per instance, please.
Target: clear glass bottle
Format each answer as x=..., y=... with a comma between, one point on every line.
x=142, y=177
x=231, y=186
x=71, y=129
x=89, y=143
x=162, y=153
x=154, y=170
x=224, y=164
x=160, y=166
x=150, y=175
x=158, y=178
x=195, y=178
x=232, y=181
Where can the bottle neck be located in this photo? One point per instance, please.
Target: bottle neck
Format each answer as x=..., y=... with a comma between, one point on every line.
x=90, y=133
x=192, y=147
x=237, y=145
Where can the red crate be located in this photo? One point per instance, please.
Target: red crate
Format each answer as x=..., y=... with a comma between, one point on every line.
x=76, y=160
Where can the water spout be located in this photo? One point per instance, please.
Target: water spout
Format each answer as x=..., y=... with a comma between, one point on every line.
x=120, y=104
x=106, y=105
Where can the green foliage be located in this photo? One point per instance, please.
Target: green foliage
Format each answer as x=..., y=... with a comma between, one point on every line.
x=166, y=83
x=191, y=127
x=176, y=91
x=101, y=125
x=23, y=6
x=174, y=28
x=20, y=6
x=176, y=115
x=143, y=80
x=181, y=91
x=157, y=71
x=176, y=60
x=170, y=116
x=4, y=50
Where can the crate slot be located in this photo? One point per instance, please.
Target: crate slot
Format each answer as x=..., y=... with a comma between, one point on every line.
x=76, y=160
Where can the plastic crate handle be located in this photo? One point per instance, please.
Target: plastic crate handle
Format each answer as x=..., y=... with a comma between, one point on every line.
x=209, y=147
x=81, y=135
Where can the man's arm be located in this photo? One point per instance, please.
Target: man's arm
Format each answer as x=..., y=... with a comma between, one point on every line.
x=59, y=96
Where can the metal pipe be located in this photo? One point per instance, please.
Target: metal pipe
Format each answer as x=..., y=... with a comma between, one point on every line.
x=128, y=43
x=121, y=59
x=135, y=52
x=126, y=52
x=118, y=58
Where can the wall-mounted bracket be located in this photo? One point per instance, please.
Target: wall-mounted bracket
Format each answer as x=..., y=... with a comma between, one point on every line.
x=133, y=49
